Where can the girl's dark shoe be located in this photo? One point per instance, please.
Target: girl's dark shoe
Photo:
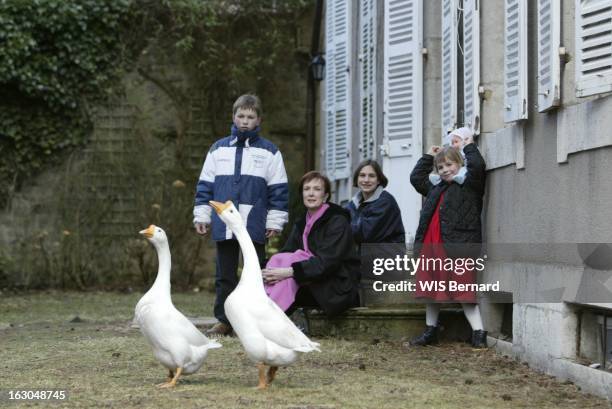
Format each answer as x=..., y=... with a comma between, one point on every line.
x=479, y=339
x=430, y=336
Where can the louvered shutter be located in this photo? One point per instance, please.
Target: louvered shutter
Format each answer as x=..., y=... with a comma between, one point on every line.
x=549, y=41
x=515, y=60
x=367, y=61
x=593, y=47
x=337, y=92
x=403, y=76
x=403, y=102
x=449, y=66
x=471, y=62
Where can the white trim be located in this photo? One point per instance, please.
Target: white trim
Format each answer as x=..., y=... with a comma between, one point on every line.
x=503, y=147
x=584, y=126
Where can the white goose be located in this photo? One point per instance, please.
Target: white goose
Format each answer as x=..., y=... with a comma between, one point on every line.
x=269, y=337
x=176, y=342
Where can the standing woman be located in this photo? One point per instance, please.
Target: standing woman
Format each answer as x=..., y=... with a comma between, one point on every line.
x=375, y=215
x=317, y=267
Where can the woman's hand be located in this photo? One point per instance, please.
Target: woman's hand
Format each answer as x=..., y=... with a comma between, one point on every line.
x=274, y=275
x=434, y=150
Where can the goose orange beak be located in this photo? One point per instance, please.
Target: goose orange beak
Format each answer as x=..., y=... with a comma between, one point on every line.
x=148, y=232
x=220, y=207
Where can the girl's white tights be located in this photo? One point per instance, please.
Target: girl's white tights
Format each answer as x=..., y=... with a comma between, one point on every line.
x=432, y=311
x=471, y=311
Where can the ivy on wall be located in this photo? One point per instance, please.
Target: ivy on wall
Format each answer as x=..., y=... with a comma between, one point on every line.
x=58, y=59
x=61, y=58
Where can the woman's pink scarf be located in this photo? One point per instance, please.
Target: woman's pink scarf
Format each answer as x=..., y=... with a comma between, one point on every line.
x=283, y=292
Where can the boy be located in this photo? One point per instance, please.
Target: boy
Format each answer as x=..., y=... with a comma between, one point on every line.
x=248, y=170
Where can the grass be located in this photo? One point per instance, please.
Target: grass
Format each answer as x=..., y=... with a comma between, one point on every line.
x=103, y=362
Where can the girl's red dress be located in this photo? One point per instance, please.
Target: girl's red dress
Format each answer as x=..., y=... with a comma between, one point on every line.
x=433, y=248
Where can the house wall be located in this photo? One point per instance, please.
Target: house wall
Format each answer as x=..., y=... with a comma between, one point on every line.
x=547, y=201
x=432, y=73
x=546, y=184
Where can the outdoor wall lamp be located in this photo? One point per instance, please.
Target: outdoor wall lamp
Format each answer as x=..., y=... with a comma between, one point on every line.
x=318, y=67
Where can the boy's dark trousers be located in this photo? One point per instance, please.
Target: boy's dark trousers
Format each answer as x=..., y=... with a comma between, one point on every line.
x=226, y=277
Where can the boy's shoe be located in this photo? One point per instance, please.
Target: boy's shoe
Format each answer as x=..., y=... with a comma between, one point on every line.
x=429, y=337
x=300, y=320
x=220, y=328
x=479, y=339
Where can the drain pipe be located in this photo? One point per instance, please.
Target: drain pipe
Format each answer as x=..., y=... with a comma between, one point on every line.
x=311, y=93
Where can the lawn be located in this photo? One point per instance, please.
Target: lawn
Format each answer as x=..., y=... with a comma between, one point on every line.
x=102, y=362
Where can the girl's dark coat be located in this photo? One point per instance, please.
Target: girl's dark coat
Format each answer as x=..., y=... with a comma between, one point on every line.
x=332, y=275
x=461, y=208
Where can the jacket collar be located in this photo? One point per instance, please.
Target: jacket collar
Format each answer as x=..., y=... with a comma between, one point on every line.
x=459, y=178
x=333, y=209
x=244, y=138
x=358, y=198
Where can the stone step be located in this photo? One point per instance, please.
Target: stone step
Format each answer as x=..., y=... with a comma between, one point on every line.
x=390, y=323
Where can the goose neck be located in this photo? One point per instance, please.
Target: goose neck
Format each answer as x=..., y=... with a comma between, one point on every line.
x=162, y=282
x=251, y=271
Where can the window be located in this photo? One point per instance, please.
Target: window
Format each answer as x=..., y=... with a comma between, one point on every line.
x=367, y=64
x=549, y=40
x=515, y=60
x=337, y=90
x=593, y=47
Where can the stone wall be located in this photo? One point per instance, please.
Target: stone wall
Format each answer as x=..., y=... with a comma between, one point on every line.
x=76, y=225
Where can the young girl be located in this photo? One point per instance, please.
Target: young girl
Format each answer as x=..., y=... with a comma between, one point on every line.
x=449, y=228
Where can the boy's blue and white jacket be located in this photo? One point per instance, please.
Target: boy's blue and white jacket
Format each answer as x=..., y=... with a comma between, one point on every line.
x=248, y=170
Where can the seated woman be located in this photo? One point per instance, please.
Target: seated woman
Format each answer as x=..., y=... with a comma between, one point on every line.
x=375, y=215
x=318, y=266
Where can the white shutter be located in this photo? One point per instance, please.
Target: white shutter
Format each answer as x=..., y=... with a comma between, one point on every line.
x=593, y=47
x=367, y=61
x=337, y=89
x=515, y=60
x=403, y=103
x=449, y=66
x=471, y=62
x=549, y=41
x=403, y=71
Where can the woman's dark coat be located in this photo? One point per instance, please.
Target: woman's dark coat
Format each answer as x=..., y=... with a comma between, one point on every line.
x=461, y=208
x=376, y=220
x=332, y=275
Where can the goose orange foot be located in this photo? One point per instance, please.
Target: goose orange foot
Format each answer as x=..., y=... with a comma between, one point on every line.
x=170, y=376
x=172, y=382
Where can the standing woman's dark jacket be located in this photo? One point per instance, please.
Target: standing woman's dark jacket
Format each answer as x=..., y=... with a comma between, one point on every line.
x=332, y=275
x=460, y=220
x=377, y=219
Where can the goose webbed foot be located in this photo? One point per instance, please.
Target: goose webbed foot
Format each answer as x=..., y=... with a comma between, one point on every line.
x=170, y=376
x=171, y=382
